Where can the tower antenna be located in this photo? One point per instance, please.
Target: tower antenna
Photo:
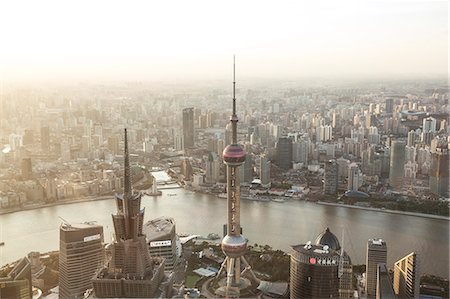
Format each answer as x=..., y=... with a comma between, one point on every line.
x=127, y=175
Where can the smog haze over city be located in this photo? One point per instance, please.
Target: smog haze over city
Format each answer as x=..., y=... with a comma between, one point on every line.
x=224, y=149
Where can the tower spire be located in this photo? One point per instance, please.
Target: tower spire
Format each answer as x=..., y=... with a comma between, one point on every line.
x=234, y=118
x=127, y=175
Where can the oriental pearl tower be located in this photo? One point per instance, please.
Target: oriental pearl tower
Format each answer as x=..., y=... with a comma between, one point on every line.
x=234, y=245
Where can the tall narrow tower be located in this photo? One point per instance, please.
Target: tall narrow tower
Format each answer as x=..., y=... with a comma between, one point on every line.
x=234, y=244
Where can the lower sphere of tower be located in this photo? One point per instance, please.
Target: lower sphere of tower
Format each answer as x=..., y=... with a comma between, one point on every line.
x=234, y=246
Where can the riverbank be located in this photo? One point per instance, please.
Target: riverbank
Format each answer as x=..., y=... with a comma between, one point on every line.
x=56, y=203
x=385, y=210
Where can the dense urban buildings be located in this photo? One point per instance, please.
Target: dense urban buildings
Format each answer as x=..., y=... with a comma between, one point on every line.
x=376, y=254
x=407, y=277
x=81, y=255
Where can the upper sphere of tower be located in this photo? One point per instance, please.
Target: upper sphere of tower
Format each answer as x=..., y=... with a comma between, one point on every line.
x=234, y=154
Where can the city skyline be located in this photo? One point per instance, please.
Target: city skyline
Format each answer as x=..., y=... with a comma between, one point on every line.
x=179, y=41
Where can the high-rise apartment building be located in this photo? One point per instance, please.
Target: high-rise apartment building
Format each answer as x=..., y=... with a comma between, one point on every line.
x=188, y=127
x=331, y=177
x=406, y=277
x=80, y=257
x=396, y=171
x=376, y=254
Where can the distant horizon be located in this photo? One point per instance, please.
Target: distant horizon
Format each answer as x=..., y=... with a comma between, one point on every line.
x=175, y=40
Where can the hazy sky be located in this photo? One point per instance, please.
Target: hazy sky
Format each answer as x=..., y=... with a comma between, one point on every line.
x=152, y=40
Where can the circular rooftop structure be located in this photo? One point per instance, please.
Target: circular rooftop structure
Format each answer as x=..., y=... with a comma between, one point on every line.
x=234, y=154
x=328, y=238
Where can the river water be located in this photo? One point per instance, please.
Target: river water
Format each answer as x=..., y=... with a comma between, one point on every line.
x=277, y=224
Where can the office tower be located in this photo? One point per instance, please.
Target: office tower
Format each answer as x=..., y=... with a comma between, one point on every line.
x=384, y=283
x=284, y=153
x=161, y=239
x=376, y=254
x=406, y=277
x=429, y=125
x=45, y=139
x=439, y=170
x=396, y=170
x=342, y=167
x=26, y=169
x=389, y=106
x=131, y=272
x=186, y=169
x=264, y=170
x=17, y=285
x=354, y=177
x=212, y=168
x=315, y=268
x=188, y=127
x=330, y=184
x=80, y=257
x=234, y=245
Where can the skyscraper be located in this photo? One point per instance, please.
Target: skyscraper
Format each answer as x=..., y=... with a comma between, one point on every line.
x=234, y=245
x=396, y=171
x=264, y=169
x=131, y=272
x=284, y=153
x=406, y=277
x=161, y=239
x=353, y=177
x=331, y=177
x=80, y=257
x=376, y=254
x=188, y=127
x=320, y=270
x=439, y=171
x=17, y=285
x=384, y=289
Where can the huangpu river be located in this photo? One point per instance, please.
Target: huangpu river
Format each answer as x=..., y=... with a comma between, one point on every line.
x=279, y=225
